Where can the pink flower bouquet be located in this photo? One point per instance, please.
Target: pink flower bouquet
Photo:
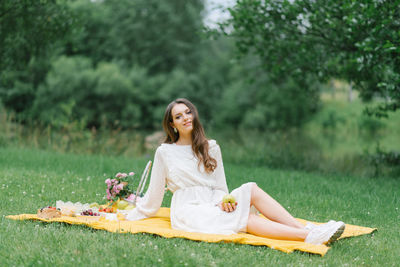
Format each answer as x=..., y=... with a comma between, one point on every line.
x=118, y=187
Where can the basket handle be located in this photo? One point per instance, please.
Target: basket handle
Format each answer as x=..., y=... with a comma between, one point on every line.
x=143, y=181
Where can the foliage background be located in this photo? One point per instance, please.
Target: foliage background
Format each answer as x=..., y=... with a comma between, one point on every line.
x=296, y=76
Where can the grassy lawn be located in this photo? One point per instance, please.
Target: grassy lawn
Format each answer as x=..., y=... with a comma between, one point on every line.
x=30, y=179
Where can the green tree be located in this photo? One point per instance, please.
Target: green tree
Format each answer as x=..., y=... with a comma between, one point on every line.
x=123, y=51
x=355, y=40
x=157, y=35
x=28, y=28
x=29, y=31
x=76, y=91
x=252, y=100
x=108, y=95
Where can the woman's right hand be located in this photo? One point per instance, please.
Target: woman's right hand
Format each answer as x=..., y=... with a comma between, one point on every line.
x=227, y=207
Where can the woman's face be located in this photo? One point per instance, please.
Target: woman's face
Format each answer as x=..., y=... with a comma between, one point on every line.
x=182, y=119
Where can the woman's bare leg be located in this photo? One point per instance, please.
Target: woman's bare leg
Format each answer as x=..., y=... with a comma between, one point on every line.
x=271, y=209
x=259, y=226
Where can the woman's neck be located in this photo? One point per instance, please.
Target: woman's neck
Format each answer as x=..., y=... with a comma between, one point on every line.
x=184, y=140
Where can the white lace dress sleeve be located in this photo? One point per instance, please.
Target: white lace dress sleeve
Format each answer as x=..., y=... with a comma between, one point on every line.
x=151, y=202
x=219, y=171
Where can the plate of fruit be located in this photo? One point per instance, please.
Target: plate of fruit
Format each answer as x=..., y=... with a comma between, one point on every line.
x=89, y=212
x=107, y=210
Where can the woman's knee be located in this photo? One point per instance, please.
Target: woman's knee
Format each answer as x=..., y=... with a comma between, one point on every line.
x=254, y=192
x=254, y=187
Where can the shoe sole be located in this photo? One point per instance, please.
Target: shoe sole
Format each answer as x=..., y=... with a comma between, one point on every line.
x=337, y=234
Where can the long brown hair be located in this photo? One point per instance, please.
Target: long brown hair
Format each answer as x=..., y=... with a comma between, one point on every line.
x=199, y=141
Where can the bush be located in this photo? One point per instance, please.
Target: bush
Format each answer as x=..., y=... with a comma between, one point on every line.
x=108, y=95
x=370, y=127
x=103, y=96
x=266, y=105
x=381, y=159
x=285, y=149
x=68, y=86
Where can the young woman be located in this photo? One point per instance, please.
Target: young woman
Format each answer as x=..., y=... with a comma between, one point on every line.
x=191, y=167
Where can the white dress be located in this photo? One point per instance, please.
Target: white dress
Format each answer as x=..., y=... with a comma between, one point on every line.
x=195, y=192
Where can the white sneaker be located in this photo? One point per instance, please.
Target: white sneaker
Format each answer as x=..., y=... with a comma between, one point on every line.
x=325, y=233
x=309, y=226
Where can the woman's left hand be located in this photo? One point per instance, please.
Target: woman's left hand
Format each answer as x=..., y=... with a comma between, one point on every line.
x=227, y=207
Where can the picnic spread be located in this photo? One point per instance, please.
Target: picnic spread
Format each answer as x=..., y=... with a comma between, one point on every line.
x=161, y=225
x=122, y=199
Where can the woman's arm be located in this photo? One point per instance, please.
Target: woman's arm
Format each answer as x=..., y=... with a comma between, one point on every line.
x=221, y=181
x=152, y=200
x=220, y=172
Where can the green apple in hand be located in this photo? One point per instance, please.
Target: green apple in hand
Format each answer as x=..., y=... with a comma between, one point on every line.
x=229, y=199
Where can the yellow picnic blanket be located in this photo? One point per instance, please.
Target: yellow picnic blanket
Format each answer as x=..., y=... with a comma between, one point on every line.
x=161, y=225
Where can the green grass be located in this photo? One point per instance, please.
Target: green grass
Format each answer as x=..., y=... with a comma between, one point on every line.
x=30, y=179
